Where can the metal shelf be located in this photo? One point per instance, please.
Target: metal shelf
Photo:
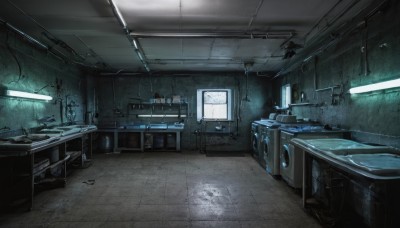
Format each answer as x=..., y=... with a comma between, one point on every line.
x=303, y=104
x=158, y=110
x=52, y=165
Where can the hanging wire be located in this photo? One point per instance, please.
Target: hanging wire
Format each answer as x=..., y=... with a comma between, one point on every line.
x=16, y=60
x=37, y=91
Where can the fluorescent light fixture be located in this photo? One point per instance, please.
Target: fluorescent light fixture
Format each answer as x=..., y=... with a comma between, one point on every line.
x=119, y=15
x=161, y=116
x=376, y=86
x=133, y=40
x=14, y=93
x=135, y=44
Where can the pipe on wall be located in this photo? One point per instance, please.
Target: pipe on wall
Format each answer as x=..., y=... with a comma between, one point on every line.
x=333, y=39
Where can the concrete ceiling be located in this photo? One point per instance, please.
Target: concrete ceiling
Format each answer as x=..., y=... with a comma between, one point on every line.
x=95, y=37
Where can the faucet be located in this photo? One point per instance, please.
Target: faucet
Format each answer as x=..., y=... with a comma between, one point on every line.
x=46, y=120
x=25, y=131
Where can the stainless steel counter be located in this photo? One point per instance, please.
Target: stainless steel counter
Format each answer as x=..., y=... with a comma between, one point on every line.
x=142, y=130
x=24, y=152
x=8, y=148
x=365, y=178
x=335, y=157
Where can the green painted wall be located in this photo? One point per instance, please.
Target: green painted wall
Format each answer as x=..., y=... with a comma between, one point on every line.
x=375, y=116
x=24, y=67
x=259, y=93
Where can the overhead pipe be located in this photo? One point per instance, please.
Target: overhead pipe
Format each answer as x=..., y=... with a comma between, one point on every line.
x=334, y=40
x=260, y=3
x=47, y=34
x=324, y=47
x=132, y=40
x=34, y=41
x=333, y=21
x=28, y=37
x=120, y=74
x=226, y=35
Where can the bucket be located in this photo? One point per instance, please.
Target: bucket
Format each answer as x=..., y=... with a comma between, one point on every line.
x=148, y=141
x=106, y=143
x=53, y=154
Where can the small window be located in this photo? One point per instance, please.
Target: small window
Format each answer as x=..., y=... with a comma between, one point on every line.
x=286, y=96
x=214, y=104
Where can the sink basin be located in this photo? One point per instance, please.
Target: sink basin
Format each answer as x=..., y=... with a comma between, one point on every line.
x=381, y=164
x=176, y=126
x=335, y=144
x=27, y=142
x=61, y=131
x=134, y=126
x=376, y=160
x=28, y=138
x=367, y=150
x=158, y=126
x=52, y=131
x=65, y=128
x=84, y=127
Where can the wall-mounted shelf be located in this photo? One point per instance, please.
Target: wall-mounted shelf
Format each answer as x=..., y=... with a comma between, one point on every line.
x=303, y=104
x=328, y=88
x=62, y=161
x=158, y=110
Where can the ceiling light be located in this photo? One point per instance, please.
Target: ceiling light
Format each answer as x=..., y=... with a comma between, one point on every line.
x=376, y=86
x=135, y=44
x=133, y=40
x=14, y=93
x=119, y=15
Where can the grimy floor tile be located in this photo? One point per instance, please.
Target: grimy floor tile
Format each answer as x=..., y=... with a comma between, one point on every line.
x=166, y=189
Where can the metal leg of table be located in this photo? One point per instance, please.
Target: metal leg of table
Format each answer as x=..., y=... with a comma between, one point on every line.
x=306, y=178
x=83, y=152
x=90, y=145
x=178, y=141
x=32, y=181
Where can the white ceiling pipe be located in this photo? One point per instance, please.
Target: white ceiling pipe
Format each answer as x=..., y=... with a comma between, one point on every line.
x=228, y=35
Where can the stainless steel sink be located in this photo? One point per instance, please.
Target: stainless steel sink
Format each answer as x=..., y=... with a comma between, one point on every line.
x=61, y=131
x=157, y=126
x=84, y=127
x=335, y=144
x=376, y=160
x=380, y=164
x=27, y=142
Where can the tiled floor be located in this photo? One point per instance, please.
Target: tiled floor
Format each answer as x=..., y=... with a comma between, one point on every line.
x=167, y=190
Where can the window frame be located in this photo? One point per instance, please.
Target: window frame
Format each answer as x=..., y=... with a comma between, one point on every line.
x=200, y=104
x=286, y=95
